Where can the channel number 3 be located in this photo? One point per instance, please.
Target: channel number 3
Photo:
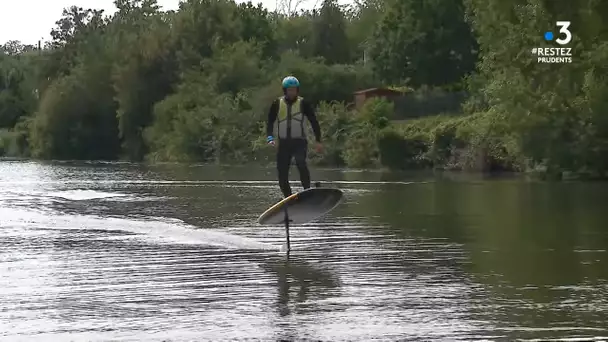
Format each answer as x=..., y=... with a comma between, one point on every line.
x=563, y=28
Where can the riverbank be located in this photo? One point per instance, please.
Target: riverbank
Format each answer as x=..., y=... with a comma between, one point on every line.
x=368, y=140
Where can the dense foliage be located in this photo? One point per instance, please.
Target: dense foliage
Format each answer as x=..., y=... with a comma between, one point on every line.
x=195, y=84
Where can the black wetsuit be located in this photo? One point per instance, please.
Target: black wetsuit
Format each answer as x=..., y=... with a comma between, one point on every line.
x=296, y=148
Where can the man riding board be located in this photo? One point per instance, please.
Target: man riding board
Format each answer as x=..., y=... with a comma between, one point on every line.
x=290, y=110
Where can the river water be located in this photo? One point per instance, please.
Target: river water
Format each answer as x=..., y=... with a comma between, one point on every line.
x=128, y=252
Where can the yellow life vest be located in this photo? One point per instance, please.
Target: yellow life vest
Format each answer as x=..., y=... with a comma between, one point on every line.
x=290, y=120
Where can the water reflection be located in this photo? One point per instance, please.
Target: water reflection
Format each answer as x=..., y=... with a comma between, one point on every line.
x=306, y=278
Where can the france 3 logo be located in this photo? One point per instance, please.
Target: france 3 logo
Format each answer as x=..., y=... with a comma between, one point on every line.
x=553, y=55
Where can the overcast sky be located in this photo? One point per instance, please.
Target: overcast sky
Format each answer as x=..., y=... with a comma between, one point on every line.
x=31, y=20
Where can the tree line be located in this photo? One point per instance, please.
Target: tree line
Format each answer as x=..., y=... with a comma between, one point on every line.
x=195, y=84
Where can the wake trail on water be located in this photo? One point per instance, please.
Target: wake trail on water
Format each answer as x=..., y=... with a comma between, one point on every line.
x=83, y=195
x=24, y=196
x=153, y=230
x=194, y=182
x=20, y=217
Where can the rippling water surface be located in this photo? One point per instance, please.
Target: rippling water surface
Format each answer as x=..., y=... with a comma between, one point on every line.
x=125, y=252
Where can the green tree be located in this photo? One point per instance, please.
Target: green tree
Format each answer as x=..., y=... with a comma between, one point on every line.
x=424, y=42
x=363, y=16
x=201, y=24
x=257, y=26
x=144, y=69
x=295, y=34
x=17, y=93
x=15, y=48
x=329, y=34
x=70, y=38
x=76, y=118
x=234, y=68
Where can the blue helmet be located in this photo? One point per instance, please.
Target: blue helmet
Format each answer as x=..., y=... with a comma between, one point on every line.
x=290, y=82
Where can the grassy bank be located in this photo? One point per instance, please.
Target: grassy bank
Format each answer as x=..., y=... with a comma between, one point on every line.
x=368, y=138
x=468, y=143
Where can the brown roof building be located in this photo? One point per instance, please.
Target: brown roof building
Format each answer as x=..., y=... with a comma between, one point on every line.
x=362, y=95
